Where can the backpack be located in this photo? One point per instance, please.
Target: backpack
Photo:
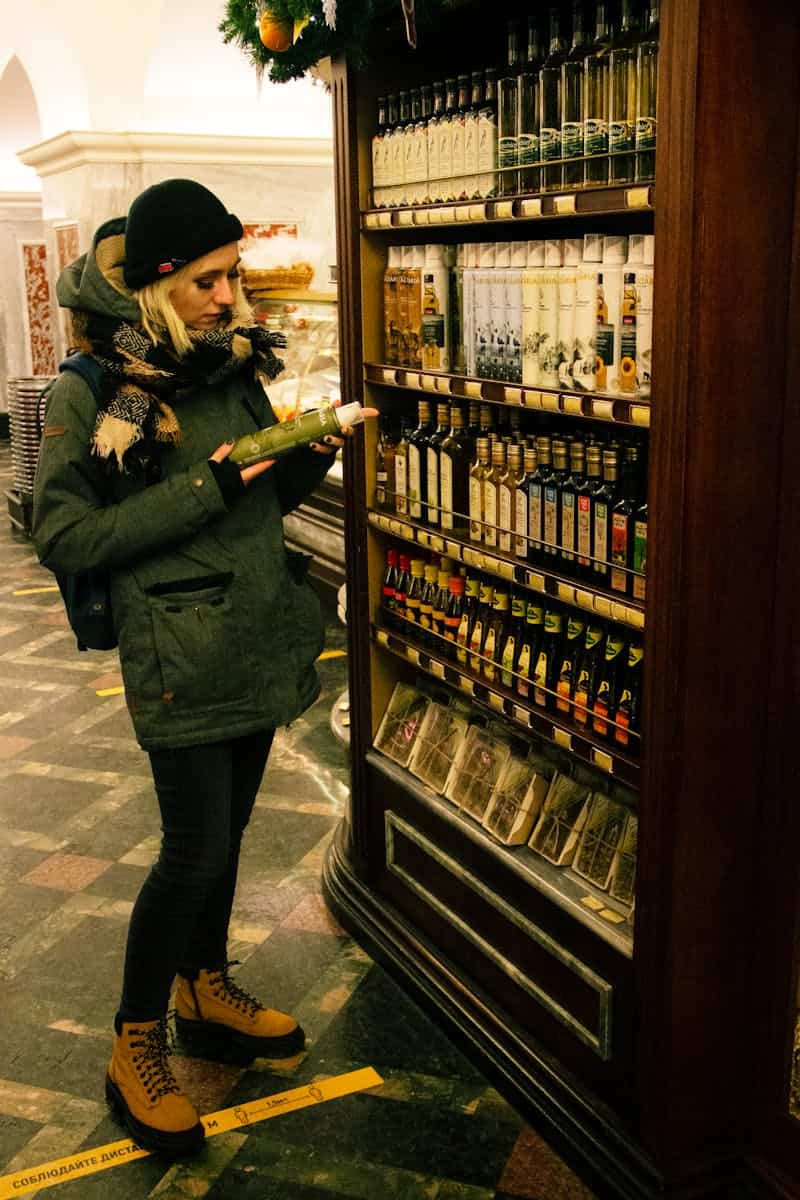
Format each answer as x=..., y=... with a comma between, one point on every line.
x=86, y=594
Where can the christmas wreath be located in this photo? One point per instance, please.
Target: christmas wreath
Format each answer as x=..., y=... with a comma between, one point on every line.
x=287, y=38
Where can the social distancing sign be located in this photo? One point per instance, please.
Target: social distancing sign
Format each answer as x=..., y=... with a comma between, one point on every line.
x=88, y=1162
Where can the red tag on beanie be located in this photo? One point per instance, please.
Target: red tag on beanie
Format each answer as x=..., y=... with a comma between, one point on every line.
x=165, y=268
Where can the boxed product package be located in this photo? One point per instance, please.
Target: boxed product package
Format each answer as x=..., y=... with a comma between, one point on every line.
x=477, y=767
x=442, y=731
x=563, y=814
x=517, y=799
x=400, y=726
x=600, y=840
x=623, y=873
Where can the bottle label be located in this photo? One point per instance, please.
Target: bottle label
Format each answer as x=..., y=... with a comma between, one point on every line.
x=398, y=171
x=527, y=149
x=549, y=144
x=433, y=486
x=434, y=185
x=488, y=653
x=520, y=541
x=572, y=139
x=584, y=530
x=540, y=680
x=535, y=516
x=568, y=525
x=509, y=654
x=414, y=483
x=600, y=539
x=620, y=136
x=623, y=718
x=619, y=552
x=475, y=643
x=461, y=637
x=564, y=686
x=451, y=627
x=524, y=670
x=600, y=709
x=595, y=136
x=412, y=608
x=581, y=698
x=446, y=490
x=639, y=558
x=507, y=152
x=490, y=513
x=550, y=520
x=476, y=509
x=506, y=520
x=445, y=159
x=381, y=480
x=646, y=133
x=400, y=484
x=487, y=153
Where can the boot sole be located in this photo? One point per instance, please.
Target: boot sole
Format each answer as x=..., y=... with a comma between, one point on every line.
x=207, y=1038
x=159, y=1141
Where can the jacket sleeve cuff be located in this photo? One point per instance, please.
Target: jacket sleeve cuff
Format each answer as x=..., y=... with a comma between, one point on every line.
x=228, y=478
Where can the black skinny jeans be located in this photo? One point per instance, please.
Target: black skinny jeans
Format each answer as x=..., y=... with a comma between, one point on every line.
x=181, y=916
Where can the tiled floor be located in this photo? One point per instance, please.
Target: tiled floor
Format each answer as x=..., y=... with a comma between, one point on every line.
x=78, y=831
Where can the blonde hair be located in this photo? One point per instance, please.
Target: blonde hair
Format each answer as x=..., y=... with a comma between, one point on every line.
x=163, y=325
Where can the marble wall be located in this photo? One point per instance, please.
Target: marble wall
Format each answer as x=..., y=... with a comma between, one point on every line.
x=26, y=340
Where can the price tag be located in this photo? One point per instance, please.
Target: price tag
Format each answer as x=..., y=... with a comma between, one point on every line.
x=566, y=593
x=474, y=389
x=532, y=399
x=638, y=197
x=477, y=212
x=536, y=581
x=551, y=401
x=584, y=600
x=447, y=214
x=640, y=414
x=436, y=543
x=428, y=383
x=396, y=527
x=572, y=405
x=437, y=669
x=504, y=209
x=522, y=715
x=531, y=208
x=615, y=918
x=374, y=519
x=602, y=606
x=421, y=216
x=371, y=220
x=466, y=685
x=412, y=655
x=407, y=531
x=444, y=384
x=562, y=738
x=635, y=618
x=385, y=220
x=512, y=395
x=564, y=205
x=454, y=550
x=463, y=212
x=602, y=760
x=405, y=217
x=593, y=903
x=495, y=701
x=603, y=409
x=381, y=637
x=388, y=375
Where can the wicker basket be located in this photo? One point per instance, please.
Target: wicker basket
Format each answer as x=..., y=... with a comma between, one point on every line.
x=297, y=276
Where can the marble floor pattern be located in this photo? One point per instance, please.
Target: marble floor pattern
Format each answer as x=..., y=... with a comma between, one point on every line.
x=78, y=831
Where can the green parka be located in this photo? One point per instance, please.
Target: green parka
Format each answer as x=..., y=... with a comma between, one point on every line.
x=218, y=627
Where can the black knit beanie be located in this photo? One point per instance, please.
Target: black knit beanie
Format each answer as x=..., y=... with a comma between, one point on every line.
x=169, y=225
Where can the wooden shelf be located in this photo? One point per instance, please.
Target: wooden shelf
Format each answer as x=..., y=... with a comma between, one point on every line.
x=583, y=202
x=607, y=605
x=593, y=406
x=296, y=294
x=569, y=891
x=558, y=730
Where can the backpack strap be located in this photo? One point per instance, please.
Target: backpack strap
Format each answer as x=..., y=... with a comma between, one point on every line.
x=88, y=368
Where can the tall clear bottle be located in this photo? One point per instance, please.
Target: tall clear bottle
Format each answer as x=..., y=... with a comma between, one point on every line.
x=572, y=104
x=646, y=95
x=487, y=137
x=378, y=179
x=507, y=498
x=477, y=474
x=421, y=145
x=399, y=148
x=432, y=448
x=411, y=182
x=550, y=105
x=472, y=137
x=454, y=473
x=392, y=151
x=622, y=91
x=458, y=125
x=435, y=190
x=446, y=130
x=528, y=111
x=491, y=494
x=596, y=101
x=507, y=156
x=417, y=475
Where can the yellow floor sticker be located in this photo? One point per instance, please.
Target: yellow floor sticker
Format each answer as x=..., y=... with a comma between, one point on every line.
x=115, y=691
x=36, y=591
x=332, y=654
x=88, y=1162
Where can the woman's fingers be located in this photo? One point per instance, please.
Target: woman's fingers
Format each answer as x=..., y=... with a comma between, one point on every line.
x=250, y=473
x=222, y=452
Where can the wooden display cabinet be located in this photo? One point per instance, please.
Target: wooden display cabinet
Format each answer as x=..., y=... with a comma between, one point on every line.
x=657, y=1056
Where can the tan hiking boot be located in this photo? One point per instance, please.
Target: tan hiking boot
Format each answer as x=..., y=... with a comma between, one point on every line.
x=142, y=1089
x=214, y=1014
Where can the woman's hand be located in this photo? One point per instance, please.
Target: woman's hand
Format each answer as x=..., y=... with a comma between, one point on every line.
x=331, y=443
x=248, y=474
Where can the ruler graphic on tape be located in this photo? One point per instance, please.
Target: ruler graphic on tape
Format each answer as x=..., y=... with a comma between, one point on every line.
x=88, y=1162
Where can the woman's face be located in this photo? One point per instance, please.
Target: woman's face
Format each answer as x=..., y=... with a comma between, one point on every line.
x=205, y=295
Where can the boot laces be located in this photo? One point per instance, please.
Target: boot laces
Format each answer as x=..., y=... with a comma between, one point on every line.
x=152, y=1061
x=225, y=987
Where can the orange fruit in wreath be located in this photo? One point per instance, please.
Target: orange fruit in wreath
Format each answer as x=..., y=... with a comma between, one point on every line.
x=275, y=33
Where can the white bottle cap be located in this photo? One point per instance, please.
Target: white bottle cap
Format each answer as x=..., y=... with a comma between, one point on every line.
x=536, y=253
x=552, y=253
x=636, y=249
x=593, y=247
x=349, y=414
x=649, y=249
x=502, y=254
x=395, y=256
x=418, y=256
x=519, y=254
x=615, y=250
x=407, y=255
x=572, y=251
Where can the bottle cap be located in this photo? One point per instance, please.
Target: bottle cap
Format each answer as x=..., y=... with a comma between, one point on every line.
x=442, y=578
x=349, y=414
x=391, y=557
x=407, y=256
x=593, y=247
x=486, y=253
x=418, y=256
x=615, y=249
x=455, y=584
x=431, y=571
x=418, y=567
x=573, y=248
x=552, y=252
x=461, y=255
x=536, y=253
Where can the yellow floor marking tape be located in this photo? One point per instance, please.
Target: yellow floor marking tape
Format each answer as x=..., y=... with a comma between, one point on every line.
x=115, y=691
x=332, y=654
x=88, y=1162
x=37, y=591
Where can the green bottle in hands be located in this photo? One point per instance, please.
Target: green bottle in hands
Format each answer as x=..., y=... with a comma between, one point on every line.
x=287, y=436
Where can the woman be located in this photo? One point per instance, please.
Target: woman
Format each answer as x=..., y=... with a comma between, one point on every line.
x=218, y=628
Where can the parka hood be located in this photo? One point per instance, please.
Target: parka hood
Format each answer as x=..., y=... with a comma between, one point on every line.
x=94, y=283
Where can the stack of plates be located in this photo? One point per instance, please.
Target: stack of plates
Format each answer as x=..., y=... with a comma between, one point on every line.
x=25, y=424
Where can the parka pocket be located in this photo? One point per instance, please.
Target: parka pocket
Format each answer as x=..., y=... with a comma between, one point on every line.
x=197, y=642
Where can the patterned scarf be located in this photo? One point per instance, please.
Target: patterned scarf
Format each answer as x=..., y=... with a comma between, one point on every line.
x=139, y=376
